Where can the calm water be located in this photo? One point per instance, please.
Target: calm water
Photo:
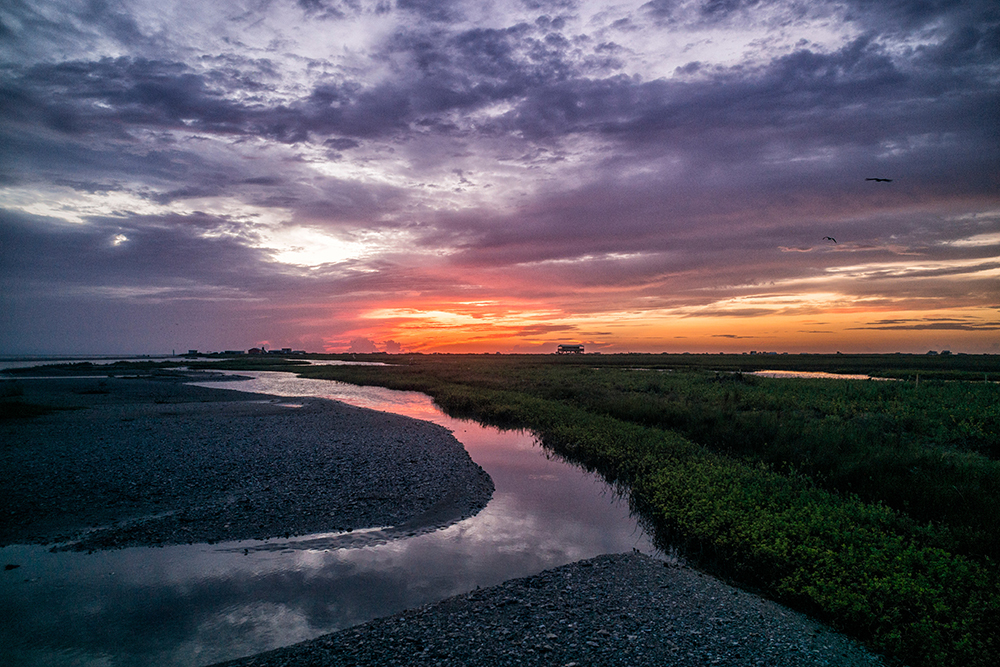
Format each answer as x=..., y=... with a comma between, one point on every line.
x=198, y=604
x=816, y=375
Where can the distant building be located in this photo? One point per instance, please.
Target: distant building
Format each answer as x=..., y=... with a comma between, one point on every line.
x=569, y=349
x=234, y=352
x=256, y=350
x=192, y=351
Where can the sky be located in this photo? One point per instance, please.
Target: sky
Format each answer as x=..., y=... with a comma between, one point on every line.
x=499, y=176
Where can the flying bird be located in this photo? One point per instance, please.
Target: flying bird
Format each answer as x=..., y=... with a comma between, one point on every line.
x=829, y=238
x=880, y=180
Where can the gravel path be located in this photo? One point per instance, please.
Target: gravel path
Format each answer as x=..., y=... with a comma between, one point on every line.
x=151, y=460
x=626, y=609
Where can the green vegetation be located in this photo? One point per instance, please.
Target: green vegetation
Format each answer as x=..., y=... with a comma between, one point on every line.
x=868, y=504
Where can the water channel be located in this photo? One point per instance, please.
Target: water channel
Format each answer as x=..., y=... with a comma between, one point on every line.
x=198, y=604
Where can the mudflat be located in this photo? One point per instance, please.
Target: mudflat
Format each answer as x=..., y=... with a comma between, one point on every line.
x=107, y=462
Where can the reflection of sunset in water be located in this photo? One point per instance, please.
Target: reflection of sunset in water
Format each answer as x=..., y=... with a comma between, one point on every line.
x=406, y=403
x=815, y=375
x=482, y=443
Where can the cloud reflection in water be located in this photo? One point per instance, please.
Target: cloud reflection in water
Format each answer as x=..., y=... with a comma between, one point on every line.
x=198, y=604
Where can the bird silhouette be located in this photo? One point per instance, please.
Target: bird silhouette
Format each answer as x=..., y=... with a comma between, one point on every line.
x=829, y=238
x=880, y=180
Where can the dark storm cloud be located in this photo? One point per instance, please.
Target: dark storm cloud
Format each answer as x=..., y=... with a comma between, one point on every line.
x=115, y=23
x=804, y=100
x=442, y=11
x=674, y=11
x=913, y=14
x=45, y=30
x=890, y=16
x=458, y=72
x=341, y=143
x=110, y=95
x=701, y=222
x=853, y=97
x=35, y=157
x=172, y=253
x=847, y=99
x=264, y=180
x=323, y=9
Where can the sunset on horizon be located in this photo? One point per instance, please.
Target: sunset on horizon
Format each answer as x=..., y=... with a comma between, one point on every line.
x=500, y=332
x=468, y=177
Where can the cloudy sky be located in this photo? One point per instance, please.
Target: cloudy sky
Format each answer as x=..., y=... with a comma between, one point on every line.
x=468, y=175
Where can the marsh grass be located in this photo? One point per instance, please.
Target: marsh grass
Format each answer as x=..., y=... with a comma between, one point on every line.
x=868, y=504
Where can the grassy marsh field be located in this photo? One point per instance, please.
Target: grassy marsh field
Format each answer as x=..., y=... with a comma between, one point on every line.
x=872, y=505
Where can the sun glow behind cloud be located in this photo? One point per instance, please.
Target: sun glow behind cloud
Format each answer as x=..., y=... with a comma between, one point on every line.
x=806, y=322
x=308, y=247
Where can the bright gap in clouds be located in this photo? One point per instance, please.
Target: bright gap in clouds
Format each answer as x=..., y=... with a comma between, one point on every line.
x=302, y=246
x=72, y=205
x=957, y=269
x=977, y=241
